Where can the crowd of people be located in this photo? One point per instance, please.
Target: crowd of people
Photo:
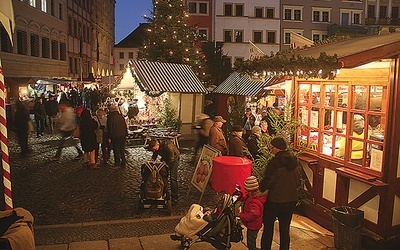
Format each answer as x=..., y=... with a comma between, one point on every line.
x=275, y=195
x=104, y=127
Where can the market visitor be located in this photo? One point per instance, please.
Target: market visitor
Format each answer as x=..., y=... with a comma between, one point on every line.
x=280, y=181
x=101, y=120
x=248, y=121
x=21, y=119
x=217, y=138
x=52, y=112
x=40, y=116
x=237, y=145
x=252, y=143
x=88, y=139
x=253, y=210
x=170, y=154
x=67, y=125
x=117, y=131
x=203, y=127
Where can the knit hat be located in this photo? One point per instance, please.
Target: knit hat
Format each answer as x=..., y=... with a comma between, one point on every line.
x=251, y=183
x=279, y=143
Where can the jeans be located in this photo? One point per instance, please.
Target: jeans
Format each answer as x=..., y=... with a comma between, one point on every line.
x=173, y=171
x=283, y=211
x=39, y=127
x=67, y=135
x=118, y=146
x=252, y=239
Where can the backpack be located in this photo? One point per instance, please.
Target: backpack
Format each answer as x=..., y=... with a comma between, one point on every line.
x=154, y=185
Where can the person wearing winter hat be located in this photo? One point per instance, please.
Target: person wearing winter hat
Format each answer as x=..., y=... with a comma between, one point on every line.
x=281, y=180
x=236, y=144
x=217, y=137
x=252, y=215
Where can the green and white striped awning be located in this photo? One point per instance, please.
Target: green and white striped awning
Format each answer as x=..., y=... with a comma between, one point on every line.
x=237, y=84
x=166, y=77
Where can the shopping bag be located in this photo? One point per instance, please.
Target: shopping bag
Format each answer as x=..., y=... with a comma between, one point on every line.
x=30, y=126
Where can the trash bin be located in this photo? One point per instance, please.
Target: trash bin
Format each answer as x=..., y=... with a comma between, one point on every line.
x=347, y=227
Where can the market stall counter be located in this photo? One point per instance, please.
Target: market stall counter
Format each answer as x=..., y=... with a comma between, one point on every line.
x=229, y=171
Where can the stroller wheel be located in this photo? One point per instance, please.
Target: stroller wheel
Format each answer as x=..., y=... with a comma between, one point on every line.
x=139, y=207
x=169, y=207
x=186, y=243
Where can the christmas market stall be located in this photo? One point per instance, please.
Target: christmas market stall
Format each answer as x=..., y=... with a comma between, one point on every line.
x=167, y=95
x=238, y=91
x=349, y=133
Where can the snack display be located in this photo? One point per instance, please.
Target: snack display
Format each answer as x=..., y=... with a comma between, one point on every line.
x=202, y=171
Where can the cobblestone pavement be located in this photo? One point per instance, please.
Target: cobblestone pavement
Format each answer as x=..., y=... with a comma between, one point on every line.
x=61, y=192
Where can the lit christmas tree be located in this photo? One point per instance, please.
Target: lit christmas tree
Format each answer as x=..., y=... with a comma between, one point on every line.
x=170, y=40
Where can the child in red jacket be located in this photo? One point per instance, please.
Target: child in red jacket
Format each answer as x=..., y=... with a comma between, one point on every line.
x=253, y=207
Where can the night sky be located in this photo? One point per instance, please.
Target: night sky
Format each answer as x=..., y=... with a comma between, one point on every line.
x=128, y=15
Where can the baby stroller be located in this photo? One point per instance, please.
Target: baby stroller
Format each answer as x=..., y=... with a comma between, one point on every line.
x=219, y=227
x=154, y=187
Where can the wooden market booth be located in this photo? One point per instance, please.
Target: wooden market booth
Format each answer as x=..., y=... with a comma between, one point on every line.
x=178, y=81
x=360, y=169
x=241, y=87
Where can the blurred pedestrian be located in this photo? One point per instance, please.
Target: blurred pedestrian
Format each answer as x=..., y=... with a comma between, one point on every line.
x=88, y=139
x=236, y=144
x=40, y=116
x=253, y=210
x=170, y=154
x=281, y=180
x=117, y=132
x=21, y=119
x=101, y=119
x=217, y=138
x=203, y=126
x=68, y=124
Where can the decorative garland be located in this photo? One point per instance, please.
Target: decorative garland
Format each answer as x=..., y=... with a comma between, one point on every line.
x=287, y=64
x=324, y=66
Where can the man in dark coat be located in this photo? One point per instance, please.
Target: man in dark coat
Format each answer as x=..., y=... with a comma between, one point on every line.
x=40, y=116
x=281, y=180
x=21, y=118
x=170, y=154
x=117, y=132
x=237, y=145
x=52, y=112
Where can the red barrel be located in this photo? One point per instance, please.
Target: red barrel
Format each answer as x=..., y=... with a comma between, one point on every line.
x=229, y=171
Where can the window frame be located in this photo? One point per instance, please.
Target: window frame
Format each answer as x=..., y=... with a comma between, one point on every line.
x=292, y=10
x=259, y=37
x=228, y=11
x=258, y=10
x=230, y=34
x=303, y=110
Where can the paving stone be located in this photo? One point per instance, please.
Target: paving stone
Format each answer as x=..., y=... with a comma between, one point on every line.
x=125, y=244
x=89, y=245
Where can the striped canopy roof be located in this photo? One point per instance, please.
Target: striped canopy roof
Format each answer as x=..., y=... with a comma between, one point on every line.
x=237, y=84
x=166, y=77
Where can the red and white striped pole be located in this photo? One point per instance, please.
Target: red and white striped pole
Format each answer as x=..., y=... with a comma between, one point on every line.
x=4, y=145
